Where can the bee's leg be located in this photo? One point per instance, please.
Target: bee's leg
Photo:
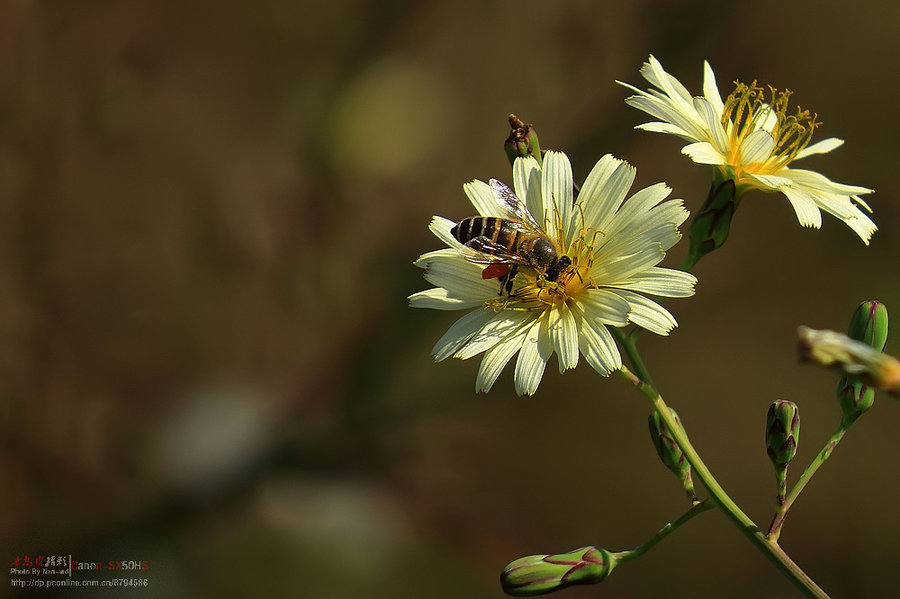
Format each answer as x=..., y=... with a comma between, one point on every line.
x=513, y=271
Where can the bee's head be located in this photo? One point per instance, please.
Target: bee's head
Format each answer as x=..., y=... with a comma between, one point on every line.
x=555, y=269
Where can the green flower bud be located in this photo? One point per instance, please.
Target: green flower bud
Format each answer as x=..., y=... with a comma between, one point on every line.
x=782, y=432
x=711, y=224
x=540, y=574
x=869, y=324
x=669, y=452
x=522, y=141
x=854, y=397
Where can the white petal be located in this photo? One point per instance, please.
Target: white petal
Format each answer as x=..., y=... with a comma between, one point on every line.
x=461, y=278
x=645, y=199
x=820, y=147
x=638, y=213
x=819, y=182
x=663, y=110
x=713, y=120
x=636, y=229
x=460, y=332
x=504, y=326
x=804, y=206
x=666, y=282
x=618, y=261
x=854, y=218
x=863, y=226
x=604, y=191
x=765, y=118
x=598, y=347
x=843, y=207
x=711, y=90
x=604, y=306
x=439, y=299
x=704, y=153
x=646, y=233
x=861, y=202
x=654, y=72
x=496, y=358
x=482, y=198
x=441, y=226
x=660, y=127
x=556, y=190
x=536, y=350
x=564, y=336
x=648, y=314
x=527, y=184
x=770, y=182
x=757, y=147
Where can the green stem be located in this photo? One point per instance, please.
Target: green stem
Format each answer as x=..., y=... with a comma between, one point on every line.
x=734, y=513
x=782, y=510
x=781, y=485
x=696, y=509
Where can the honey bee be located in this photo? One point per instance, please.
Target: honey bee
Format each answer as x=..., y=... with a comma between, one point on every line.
x=506, y=243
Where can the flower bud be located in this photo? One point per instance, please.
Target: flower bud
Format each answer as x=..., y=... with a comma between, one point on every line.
x=782, y=432
x=869, y=324
x=540, y=574
x=522, y=141
x=668, y=451
x=854, y=397
x=711, y=224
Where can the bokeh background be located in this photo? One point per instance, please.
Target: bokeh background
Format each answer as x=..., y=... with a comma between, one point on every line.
x=208, y=217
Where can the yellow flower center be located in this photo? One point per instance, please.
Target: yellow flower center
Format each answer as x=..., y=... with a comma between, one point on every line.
x=533, y=291
x=746, y=110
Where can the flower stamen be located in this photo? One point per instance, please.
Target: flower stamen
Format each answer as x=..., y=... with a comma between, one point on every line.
x=746, y=111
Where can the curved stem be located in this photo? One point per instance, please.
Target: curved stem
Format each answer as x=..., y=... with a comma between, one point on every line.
x=734, y=513
x=696, y=509
x=782, y=510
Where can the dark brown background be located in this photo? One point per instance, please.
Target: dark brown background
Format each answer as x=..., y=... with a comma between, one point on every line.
x=208, y=217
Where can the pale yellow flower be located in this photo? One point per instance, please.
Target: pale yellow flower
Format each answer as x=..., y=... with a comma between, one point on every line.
x=614, y=246
x=751, y=140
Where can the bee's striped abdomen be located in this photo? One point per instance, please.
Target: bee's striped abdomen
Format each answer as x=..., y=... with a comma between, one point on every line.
x=498, y=230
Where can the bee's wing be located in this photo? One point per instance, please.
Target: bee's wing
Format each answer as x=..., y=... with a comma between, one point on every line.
x=487, y=251
x=511, y=205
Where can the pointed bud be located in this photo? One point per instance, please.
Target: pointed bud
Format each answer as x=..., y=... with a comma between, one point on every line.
x=711, y=224
x=668, y=451
x=869, y=324
x=782, y=432
x=831, y=349
x=522, y=141
x=540, y=574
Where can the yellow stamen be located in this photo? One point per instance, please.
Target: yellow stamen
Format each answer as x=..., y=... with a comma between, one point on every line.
x=746, y=110
x=535, y=292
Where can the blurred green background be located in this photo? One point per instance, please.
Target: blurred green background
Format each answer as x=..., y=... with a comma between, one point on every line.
x=208, y=217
